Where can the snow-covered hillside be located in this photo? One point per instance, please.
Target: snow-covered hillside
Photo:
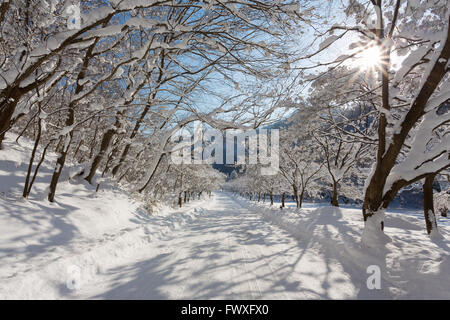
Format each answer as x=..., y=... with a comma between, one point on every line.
x=106, y=246
x=43, y=244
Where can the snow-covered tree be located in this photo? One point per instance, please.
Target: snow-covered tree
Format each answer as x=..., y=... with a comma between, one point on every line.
x=407, y=98
x=300, y=162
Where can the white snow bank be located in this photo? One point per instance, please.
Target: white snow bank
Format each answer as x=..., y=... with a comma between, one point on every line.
x=43, y=245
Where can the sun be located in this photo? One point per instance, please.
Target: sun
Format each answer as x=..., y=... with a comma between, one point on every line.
x=369, y=58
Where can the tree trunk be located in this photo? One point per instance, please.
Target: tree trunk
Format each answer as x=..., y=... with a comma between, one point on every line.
x=428, y=206
x=123, y=175
x=93, y=141
x=106, y=141
x=36, y=170
x=300, y=198
x=63, y=154
x=282, y=199
x=4, y=7
x=6, y=113
x=27, y=188
x=58, y=145
x=334, y=198
x=180, y=195
x=155, y=166
x=295, y=189
x=122, y=159
x=180, y=199
x=78, y=149
x=58, y=169
x=271, y=197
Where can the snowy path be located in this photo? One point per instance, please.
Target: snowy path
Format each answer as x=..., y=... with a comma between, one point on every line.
x=228, y=252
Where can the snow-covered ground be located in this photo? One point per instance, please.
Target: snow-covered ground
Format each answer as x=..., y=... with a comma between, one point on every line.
x=412, y=265
x=105, y=246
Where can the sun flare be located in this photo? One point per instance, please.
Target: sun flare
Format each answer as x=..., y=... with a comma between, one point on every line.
x=369, y=58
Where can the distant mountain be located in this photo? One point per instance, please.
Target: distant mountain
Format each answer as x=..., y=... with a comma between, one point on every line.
x=229, y=168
